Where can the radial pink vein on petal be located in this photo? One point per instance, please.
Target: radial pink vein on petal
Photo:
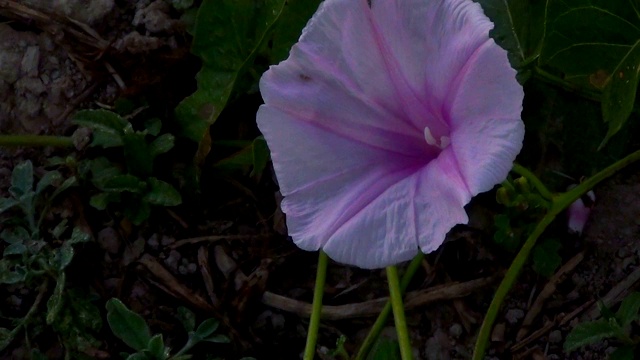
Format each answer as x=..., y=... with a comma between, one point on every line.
x=331, y=183
x=433, y=40
x=485, y=107
x=339, y=74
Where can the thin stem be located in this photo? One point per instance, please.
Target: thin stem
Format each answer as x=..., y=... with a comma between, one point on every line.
x=555, y=80
x=533, y=179
x=560, y=202
x=506, y=284
x=314, y=324
x=36, y=140
x=377, y=327
x=398, y=313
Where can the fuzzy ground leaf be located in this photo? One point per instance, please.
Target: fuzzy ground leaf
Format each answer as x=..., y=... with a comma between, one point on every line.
x=127, y=325
x=107, y=126
x=14, y=235
x=589, y=333
x=21, y=179
x=162, y=193
x=55, y=302
x=49, y=178
x=7, y=203
x=137, y=153
x=228, y=34
x=628, y=311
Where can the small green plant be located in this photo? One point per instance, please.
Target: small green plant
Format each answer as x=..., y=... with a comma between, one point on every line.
x=611, y=325
x=523, y=208
x=133, y=187
x=31, y=260
x=134, y=331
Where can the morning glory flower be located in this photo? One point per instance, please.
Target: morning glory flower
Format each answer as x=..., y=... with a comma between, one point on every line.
x=384, y=122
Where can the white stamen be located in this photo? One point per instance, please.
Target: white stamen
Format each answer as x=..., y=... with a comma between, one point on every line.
x=428, y=136
x=444, y=142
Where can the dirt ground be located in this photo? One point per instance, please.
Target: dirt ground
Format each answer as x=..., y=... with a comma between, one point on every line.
x=231, y=259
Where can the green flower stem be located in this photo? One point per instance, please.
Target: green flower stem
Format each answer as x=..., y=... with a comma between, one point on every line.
x=533, y=180
x=377, y=327
x=560, y=202
x=314, y=324
x=395, y=294
x=35, y=140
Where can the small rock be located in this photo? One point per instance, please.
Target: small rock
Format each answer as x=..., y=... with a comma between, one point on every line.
x=514, y=315
x=455, y=330
x=109, y=240
x=555, y=336
x=167, y=240
x=153, y=241
x=30, y=61
x=172, y=260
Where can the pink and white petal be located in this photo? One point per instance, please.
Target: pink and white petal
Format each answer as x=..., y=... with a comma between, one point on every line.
x=328, y=180
x=310, y=95
x=340, y=59
x=383, y=233
x=440, y=199
x=484, y=112
x=431, y=40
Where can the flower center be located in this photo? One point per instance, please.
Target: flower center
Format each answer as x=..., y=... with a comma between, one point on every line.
x=441, y=143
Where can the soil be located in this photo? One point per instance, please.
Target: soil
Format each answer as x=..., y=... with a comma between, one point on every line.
x=227, y=255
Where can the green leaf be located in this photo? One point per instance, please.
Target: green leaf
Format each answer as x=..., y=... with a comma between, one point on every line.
x=137, y=211
x=7, y=203
x=12, y=277
x=517, y=29
x=589, y=333
x=628, y=311
x=228, y=34
x=122, y=183
x=137, y=153
x=15, y=249
x=48, y=179
x=385, y=349
x=545, y=257
x=218, y=339
x=207, y=328
x=138, y=356
x=72, y=181
x=127, y=325
x=156, y=349
x=62, y=257
x=161, y=144
x=108, y=127
x=587, y=40
x=102, y=200
x=153, y=126
x=78, y=236
x=260, y=156
x=162, y=193
x=15, y=235
x=187, y=318
x=22, y=179
x=55, y=302
x=6, y=337
x=59, y=229
x=619, y=94
x=287, y=30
